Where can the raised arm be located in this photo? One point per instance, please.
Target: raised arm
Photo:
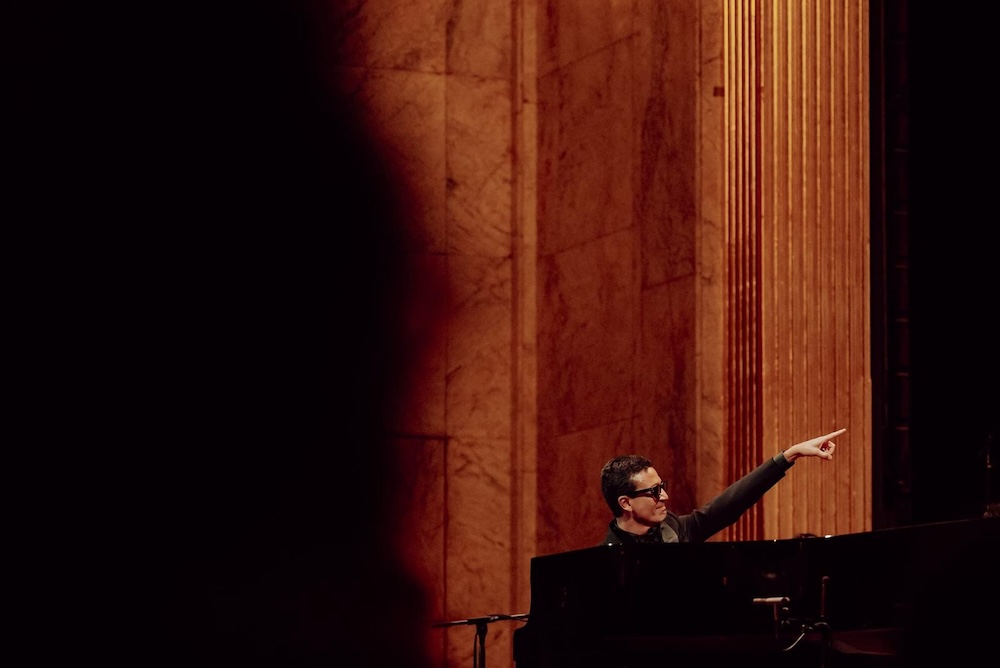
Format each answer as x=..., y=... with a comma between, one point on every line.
x=821, y=446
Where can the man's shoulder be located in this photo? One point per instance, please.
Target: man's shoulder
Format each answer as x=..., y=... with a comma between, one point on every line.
x=670, y=529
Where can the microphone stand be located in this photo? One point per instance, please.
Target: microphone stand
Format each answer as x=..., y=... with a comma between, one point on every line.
x=819, y=625
x=991, y=508
x=480, y=624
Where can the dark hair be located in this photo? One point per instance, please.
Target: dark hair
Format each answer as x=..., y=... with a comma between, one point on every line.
x=616, y=478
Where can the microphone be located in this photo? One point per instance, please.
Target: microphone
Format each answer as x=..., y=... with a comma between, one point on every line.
x=771, y=600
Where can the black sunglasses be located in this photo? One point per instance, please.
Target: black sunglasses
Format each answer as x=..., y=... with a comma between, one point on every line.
x=652, y=492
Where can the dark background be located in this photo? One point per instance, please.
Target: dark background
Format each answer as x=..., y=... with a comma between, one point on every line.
x=935, y=360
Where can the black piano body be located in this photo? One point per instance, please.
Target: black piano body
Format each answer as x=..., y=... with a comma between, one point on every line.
x=907, y=596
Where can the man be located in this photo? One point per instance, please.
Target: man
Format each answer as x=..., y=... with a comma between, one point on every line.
x=637, y=496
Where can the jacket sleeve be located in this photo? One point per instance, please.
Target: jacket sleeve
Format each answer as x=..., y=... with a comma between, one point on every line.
x=726, y=508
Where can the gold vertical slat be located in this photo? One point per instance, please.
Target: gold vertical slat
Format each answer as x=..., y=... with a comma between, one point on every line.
x=809, y=239
x=752, y=301
x=732, y=67
x=744, y=257
x=835, y=236
x=855, y=149
x=777, y=210
x=820, y=223
x=735, y=238
x=728, y=144
x=768, y=257
x=861, y=327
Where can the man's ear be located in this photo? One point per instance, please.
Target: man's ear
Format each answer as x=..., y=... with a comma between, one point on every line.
x=625, y=502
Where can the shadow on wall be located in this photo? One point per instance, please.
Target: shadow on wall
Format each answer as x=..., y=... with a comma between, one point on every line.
x=218, y=289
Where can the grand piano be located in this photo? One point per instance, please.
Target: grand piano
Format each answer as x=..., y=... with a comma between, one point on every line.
x=909, y=596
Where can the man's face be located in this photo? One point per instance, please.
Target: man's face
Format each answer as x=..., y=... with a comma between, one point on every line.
x=649, y=507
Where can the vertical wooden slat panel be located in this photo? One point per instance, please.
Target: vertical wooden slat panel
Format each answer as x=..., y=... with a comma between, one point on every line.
x=837, y=236
x=747, y=256
x=808, y=240
x=805, y=218
x=797, y=240
x=859, y=151
x=783, y=361
x=855, y=86
x=743, y=250
x=737, y=251
x=734, y=22
x=733, y=19
x=823, y=225
x=768, y=271
x=755, y=452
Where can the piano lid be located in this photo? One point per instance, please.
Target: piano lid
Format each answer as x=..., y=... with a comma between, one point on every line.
x=856, y=583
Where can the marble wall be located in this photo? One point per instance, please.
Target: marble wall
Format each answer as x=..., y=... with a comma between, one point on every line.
x=435, y=80
x=612, y=86
x=616, y=253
